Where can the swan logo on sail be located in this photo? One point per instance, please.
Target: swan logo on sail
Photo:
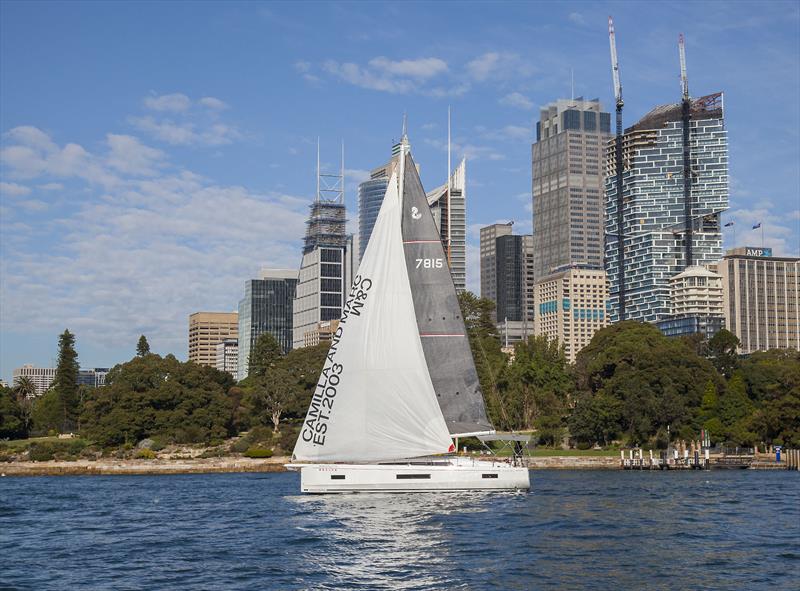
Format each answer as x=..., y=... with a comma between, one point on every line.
x=319, y=413
x=415, y=214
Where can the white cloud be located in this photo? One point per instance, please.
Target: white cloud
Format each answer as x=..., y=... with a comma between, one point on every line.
x=33, y=205
x=13, y=189
x=467, y=150
x=213, y=103
x=507, y=133
x=51, y=187
x=421, y=68
x=778, y=231
x=129, y=155
x=168, y=102
x=577, y=18
x=518, y=100
x=385, y=75
x=499, y=66
x=187, y=133
x=140, y=254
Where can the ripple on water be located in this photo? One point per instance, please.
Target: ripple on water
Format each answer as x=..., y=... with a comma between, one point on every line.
x=575, y=530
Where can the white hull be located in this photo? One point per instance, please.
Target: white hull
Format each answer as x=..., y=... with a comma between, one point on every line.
x=445, y=474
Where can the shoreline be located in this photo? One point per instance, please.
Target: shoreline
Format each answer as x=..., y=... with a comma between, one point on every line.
x=240, y=465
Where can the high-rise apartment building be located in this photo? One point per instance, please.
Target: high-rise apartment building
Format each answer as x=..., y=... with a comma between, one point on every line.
x=267, y=307
x=571, y=307
x=568, y=169
x=228, y=356
x=654, y=226
x=42, y=377
x=327, y=265
x=206, y=330
x=449, y=213
x=761, y=298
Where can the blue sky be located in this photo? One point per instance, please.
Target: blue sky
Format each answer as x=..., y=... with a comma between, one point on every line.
x=156, y=155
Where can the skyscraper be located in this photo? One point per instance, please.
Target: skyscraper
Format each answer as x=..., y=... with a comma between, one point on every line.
x=267, y=307
x=206, y=329
x=325, y=271
x=761, y=298
x=655, y=207
x=568, y=168
x=489, y=236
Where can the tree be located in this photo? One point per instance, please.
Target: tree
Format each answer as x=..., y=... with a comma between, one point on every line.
x=658, y=381
x=773, y=382
x=722, y=350
x=596, y=419
x=24, y=387
x=154, y=396
x=66, y=380
x=490, y=361
x=142, y=347
x=12, y=419
x=536, y=388
x=274, y=393
x=734, y=410
x=265, y=352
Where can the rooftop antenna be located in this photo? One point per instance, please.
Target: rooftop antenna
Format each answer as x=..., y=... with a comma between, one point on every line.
x=618, y=149
x=317, y=197
x=686, y=112
x=342, y=170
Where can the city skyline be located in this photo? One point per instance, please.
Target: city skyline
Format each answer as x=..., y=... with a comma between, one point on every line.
x=161, y=178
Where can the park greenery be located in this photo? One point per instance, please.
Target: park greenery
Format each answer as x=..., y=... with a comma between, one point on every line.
x=629, y=386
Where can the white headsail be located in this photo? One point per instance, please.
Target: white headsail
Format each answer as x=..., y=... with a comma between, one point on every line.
x=375, y=399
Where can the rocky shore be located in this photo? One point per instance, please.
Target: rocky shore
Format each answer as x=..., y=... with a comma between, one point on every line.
x=239, y=464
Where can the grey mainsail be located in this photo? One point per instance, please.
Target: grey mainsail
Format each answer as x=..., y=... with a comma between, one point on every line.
x=441, y=327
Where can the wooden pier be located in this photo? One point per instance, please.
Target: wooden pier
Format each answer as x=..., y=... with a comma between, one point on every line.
x=694, y=457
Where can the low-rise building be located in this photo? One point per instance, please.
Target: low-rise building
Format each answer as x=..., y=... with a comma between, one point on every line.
x=206, y=330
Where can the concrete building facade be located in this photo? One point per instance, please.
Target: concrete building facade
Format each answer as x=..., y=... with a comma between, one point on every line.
x=228, y=357
x=267, y=306
x=42, y=377
x=571, y=307
x=568, y=167
x=761, y=299
x=206, y=330
x=654, y=217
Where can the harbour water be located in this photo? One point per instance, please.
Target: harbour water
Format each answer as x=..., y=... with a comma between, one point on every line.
x=574, y=530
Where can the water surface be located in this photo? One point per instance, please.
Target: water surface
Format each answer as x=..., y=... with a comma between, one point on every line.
x=575, y=530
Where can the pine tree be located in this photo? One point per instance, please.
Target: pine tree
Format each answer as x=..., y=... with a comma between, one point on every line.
x=266, y=351
x=66, y=380
x=142, y=347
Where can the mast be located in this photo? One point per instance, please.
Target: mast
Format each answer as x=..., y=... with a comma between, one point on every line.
x=449, y=212
x=618, y=153
x=686, y=110
x=403, y=147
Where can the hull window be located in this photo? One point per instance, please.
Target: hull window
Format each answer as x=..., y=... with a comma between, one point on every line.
x=489, y=475
x=413, y=476
x=337, y=476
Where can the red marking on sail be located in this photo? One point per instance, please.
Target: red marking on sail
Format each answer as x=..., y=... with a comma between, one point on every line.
x=452, y=448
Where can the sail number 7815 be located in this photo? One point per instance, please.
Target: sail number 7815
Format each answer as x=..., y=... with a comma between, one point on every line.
x=430, y=263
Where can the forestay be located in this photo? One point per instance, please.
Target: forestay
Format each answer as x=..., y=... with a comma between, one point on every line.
x=375, y=400
x=442, y=331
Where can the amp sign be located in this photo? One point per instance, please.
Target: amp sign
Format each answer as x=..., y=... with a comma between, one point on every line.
x=752, y=251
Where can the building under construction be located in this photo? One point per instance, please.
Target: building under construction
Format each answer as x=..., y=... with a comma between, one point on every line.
x=328, y=260
x=668, y=225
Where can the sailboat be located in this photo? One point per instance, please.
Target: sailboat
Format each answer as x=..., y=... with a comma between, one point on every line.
x=399, y=383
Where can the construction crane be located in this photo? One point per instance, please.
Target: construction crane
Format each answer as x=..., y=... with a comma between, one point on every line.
x=618, y=149
x=686, y=107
